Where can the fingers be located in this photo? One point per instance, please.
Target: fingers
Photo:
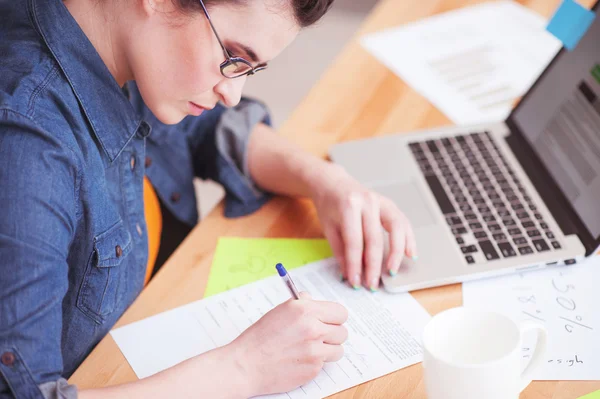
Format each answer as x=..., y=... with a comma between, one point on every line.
x=333, y=353
x=330, y=312
x=303, y=295
x=337, y=246
x=353, y=239
x=373, y=242
x=335, y=335
x=401, y=236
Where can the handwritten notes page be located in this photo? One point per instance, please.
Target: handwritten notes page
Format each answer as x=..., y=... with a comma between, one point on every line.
x=384, y=329
x=565, y=300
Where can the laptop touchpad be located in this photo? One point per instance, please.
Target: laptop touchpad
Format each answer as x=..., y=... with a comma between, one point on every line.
x=409, y=199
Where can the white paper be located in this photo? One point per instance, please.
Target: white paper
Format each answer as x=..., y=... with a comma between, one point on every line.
x=472, y=63
x=565, y=300
x=384, y=329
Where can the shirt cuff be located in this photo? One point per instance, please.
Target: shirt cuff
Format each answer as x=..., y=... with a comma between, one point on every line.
x=58, y=390
x=233, y=133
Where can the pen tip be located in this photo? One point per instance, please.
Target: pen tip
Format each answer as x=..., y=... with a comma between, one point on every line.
x=280, y=269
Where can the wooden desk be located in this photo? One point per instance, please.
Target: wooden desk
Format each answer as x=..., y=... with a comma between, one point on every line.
x=356, y=97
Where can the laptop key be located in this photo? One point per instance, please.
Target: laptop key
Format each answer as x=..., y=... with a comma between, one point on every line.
x=480, y=235
x=522, y=215
x=507, y=250
x=465, y=207
x=454, y=220
x=525, y=250
x=459, y=230
x=541, y=245
x=528, y=224
x=432, y=146
x=556, y=245
x=475, y=226
x=509, y=222
x=495, y=227
x=440, y=194
x=488, y=250
x=489, y=218
x=470, y=216
x=470, y=260
x=469, y=249
x=544, y=226
x=460, y=240
x=498, y=236
x=520, y=241
x=534, y=233
x=515, y=231
x=549, y=234
x=539, y=217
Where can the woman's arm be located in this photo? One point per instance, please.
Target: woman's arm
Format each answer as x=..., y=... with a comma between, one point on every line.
x=214, y=374
x=352, y=216
x=284, y=349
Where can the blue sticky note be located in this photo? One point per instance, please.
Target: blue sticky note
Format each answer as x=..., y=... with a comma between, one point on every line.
x=570, y=22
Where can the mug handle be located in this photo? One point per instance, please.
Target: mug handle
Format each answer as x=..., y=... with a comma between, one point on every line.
x=538, y=355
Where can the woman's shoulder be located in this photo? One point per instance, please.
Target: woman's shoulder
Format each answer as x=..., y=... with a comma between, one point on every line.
x=32, y=87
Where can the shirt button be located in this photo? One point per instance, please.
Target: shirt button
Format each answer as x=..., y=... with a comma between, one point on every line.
x=148, y=162
x=132, y=162
x=118, y=251
x=175, y=197
x=139, y=229
x=8, y=359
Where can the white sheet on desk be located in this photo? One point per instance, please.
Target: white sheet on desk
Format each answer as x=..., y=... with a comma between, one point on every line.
x=384, y=329
x=565, y=300
x=471, y=63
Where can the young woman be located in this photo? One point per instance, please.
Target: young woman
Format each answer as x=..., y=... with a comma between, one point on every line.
x=108, y=109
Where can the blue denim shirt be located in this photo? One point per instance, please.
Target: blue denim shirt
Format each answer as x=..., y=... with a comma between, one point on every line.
x=73, y=153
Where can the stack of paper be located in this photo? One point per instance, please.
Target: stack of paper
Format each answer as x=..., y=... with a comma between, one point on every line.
x=472, y=63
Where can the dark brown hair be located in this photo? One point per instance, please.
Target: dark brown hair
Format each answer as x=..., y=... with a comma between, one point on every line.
x=306, y=12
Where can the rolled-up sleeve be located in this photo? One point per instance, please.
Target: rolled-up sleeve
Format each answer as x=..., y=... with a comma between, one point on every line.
x=224, y=157
x=37, y=198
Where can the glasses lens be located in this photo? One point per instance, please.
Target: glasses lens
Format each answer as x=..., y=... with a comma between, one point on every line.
x=234, y=69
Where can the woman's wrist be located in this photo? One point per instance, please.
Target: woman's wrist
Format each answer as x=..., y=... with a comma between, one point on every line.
x=321, y=176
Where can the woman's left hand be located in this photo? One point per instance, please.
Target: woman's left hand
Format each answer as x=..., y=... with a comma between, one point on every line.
x=353, y=218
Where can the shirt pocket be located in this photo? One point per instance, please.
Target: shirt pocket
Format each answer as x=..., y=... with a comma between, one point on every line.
x=99, y=293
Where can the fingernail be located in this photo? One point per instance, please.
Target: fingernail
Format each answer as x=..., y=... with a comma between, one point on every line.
x=415, y=257
x=373, y=289
x=392, y=273
x=356, y=282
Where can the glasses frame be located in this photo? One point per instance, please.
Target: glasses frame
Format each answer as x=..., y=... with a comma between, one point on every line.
x=229, y=59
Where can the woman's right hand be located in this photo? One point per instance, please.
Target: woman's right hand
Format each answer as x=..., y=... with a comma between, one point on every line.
x=288, y=346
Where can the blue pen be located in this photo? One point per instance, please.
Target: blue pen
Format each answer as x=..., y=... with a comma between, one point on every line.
x=287, y=280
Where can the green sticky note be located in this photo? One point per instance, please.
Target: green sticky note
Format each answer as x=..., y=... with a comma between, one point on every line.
x=593, y=395
x=240, y=261
x=596, y=73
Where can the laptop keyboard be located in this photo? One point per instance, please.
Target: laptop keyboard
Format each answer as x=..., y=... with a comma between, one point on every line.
x=486, y=207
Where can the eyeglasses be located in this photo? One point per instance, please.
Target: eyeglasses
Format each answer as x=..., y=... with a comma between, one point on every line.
x=232, y=67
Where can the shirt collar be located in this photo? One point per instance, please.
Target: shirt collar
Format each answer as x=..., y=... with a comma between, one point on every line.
x=107, y=109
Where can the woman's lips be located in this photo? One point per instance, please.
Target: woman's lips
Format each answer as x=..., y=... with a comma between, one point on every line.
x=195, y=109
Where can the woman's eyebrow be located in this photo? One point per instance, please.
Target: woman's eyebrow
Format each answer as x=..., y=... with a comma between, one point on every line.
x=251, y=53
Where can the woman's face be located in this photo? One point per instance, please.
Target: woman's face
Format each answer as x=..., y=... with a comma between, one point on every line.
x=175, y=59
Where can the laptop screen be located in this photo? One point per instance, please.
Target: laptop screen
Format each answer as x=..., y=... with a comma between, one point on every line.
x=560, y=117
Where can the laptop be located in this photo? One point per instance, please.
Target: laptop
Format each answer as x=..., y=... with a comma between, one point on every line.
x=498, y=198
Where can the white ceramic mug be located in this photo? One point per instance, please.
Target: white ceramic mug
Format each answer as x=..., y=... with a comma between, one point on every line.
x=474, y=354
